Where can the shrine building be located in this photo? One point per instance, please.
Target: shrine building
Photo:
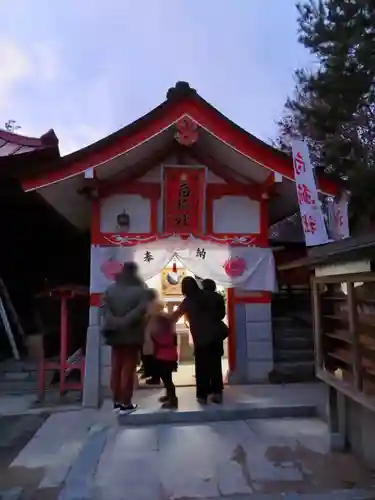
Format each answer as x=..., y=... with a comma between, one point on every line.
x=181, y=191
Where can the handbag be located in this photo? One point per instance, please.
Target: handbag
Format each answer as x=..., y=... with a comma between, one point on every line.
x=223, y=330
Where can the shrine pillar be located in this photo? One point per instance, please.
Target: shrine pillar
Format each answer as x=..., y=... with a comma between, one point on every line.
x=253, y=347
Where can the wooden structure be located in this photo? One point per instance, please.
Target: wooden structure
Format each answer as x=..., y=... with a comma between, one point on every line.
x=181, y=171
x=343, y=286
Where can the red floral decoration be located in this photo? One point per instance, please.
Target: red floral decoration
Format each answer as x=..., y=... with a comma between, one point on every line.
x=235, y=267
x=187, y=133
x=111, y=268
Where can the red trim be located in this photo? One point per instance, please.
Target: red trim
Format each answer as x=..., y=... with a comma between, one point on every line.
x=95, y=220
x=263, y=222
x=232, y=330
x=95, y=299
x=206, y=117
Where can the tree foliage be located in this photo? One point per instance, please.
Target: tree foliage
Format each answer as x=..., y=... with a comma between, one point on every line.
x=333, y=106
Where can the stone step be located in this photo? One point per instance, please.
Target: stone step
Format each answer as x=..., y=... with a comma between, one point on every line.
x=294, y=343
x=292, y=332
x=15, y=493
x=215, y=413
x=294, y=355
x=16, y=387
x=288, y=372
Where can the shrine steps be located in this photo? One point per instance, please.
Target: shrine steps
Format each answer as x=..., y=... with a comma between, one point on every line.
x=240, y=403
x=215, y=413
x=293, y=338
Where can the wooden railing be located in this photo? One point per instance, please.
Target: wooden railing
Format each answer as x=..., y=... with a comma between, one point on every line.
x=344, y=328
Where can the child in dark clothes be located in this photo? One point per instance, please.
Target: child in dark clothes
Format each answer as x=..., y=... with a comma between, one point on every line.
x=164, y=337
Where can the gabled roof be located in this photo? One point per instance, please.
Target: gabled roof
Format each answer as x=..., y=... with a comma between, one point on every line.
x=181, y=101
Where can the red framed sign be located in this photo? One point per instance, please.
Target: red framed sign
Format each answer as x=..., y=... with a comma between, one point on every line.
x=183, y=200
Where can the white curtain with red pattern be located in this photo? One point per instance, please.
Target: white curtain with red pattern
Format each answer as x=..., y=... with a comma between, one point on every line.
x=248, y=268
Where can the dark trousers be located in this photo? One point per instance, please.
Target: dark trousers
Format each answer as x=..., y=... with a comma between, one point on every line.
x=124, y=363
x=165, y=371
x=150, y=366
x=208, y=371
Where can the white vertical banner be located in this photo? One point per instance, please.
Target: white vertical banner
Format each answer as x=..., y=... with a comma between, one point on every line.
x=340, y=217
x=310, y=208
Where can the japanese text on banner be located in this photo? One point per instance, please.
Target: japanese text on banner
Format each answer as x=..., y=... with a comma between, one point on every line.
x=311, y=213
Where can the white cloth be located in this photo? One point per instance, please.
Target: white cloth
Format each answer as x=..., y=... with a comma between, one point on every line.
x=249, y=268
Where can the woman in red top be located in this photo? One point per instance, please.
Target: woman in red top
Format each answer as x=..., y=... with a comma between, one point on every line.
x=164, y=337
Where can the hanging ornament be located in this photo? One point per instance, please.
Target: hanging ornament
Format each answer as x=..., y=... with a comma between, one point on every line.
x=173, y=277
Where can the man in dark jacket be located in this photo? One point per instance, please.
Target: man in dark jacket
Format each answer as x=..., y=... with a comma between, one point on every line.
x=123, y=312
x=205, y=310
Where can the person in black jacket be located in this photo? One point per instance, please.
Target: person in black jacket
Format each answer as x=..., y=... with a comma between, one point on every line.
x=204, y=312
x=217, y=347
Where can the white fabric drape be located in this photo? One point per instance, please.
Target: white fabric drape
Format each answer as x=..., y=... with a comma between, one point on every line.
x=249, y=268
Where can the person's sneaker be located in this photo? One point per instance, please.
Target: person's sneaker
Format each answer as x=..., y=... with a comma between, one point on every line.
x=127, y=409
x=116, y=407
x=170, y=404
x=163, y=399
x=217, y=398
x=153, y=381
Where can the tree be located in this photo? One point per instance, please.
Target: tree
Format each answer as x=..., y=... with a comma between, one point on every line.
x=333, y=106
x=11, y=126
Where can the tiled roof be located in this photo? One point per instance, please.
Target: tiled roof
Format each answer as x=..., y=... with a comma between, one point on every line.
x=12, y=144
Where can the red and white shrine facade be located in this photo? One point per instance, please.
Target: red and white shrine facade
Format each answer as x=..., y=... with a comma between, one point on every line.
x=182, y=182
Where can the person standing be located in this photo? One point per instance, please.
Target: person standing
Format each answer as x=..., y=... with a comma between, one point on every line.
x=124, y=309
x=148, y=355
x=216, y=347
x=199, y=307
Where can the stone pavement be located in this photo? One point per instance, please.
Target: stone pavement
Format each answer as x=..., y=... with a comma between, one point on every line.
x=221, y=460
x=15, y=432
x=85, y=454
x=76, y=455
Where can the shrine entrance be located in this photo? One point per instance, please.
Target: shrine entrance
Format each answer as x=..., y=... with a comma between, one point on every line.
x=168, y=284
